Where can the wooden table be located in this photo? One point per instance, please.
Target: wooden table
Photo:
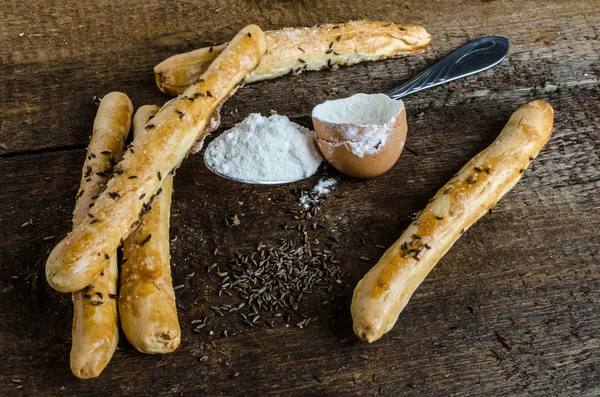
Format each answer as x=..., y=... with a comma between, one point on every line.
x=512, y=309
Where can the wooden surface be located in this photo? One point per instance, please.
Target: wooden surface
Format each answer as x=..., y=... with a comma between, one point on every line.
x=512, y=309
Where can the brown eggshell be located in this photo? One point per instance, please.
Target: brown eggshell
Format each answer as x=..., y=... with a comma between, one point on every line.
x=369, y=166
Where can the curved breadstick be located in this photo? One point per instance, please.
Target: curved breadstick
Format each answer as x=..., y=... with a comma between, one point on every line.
x=163, y=144
x=293, y=50
x=384, y=291
x=146, y=297
x=95, y=322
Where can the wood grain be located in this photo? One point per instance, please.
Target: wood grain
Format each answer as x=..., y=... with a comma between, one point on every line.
x=66, y=57
x=511, y=310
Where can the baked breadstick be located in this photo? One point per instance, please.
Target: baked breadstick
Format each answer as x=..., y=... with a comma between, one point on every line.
x=146, y=297
x=385, y=290
x=293, y=50
x=155, y=152
x=95, y=322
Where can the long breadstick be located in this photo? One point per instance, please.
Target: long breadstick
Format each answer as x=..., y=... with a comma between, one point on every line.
x=385, y=290
x=146, y=298
x=95, y=322
x=155, y=152
x=293, y=50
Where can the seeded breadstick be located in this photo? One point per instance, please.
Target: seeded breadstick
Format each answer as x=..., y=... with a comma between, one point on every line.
x=155, y=152
x=294, y=50
x=385, y=290
x=146, y=297
x=95, y=322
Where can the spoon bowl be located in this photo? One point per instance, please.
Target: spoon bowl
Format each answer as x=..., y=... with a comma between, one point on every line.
x=249, y=181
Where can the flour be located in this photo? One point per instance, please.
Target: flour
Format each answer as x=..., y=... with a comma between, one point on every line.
x=311, y=199
x=324, y=186
x=366, y=142
x=306, y=201
x=265, y=149
x=364, y=122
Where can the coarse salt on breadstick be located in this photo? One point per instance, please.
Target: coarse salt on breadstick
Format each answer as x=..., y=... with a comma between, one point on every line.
x=294, y=50
x=385, y=290
x=95, y=322
x=146, y=298
x=155, y=152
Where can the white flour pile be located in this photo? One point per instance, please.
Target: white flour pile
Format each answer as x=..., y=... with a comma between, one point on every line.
x=364, y=121
x=265, y=149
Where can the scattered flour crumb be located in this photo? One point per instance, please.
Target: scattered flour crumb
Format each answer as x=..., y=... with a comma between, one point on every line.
x=306, y=201
x=324, y=186
x=311, y=199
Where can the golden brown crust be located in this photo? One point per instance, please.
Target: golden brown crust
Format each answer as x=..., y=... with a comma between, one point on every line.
x=175, y=74
x=146, y=298
x=163, y=144
x=293, y=50
x=111, y=127
x=95, y=324
x=384, y=291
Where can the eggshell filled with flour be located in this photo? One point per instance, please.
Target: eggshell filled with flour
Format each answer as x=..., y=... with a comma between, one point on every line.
x=363, y=135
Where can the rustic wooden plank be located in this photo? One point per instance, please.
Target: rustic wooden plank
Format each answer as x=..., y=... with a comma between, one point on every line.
x=66, y=56
x=511, y=310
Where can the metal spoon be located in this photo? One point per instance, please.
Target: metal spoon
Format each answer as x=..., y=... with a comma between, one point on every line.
x=475, y=57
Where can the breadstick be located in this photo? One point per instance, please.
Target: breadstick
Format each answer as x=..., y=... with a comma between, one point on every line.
x=146, y=297
x=385, y=290
x=293, y=50
x=95, y=322
x=155, y=152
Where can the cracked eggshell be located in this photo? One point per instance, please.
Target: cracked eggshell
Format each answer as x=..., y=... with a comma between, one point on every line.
x=333, y=119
